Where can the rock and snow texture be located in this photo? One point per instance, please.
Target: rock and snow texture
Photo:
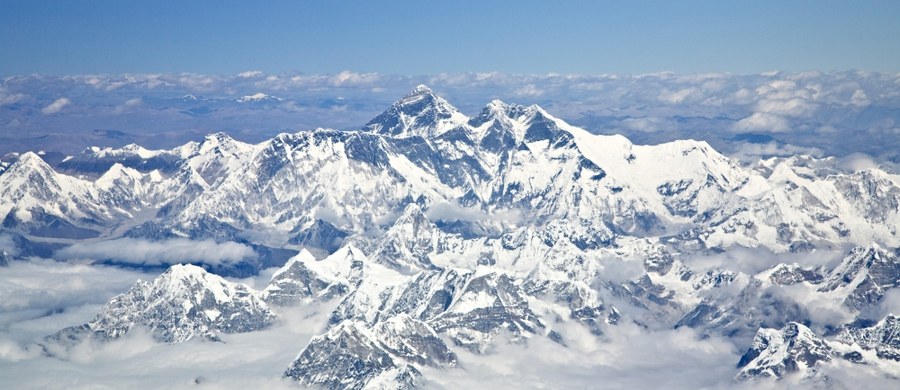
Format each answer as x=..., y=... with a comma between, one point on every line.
x=303, y=276
x=864, y=276
x=183, y=303
x=352, y=355
x=778, y=352
x=349, y=356
x=882, y=337
x=509, y=166
x=434, y=233
x=420, y=113
x=796, y=350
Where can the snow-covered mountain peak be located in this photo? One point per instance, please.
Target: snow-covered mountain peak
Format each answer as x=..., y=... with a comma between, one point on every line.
x=184, y=272
x=185, y=278
x=496, y=105
x=422, y=94
x=305, y=277
x=500, y=126
x=778, y=352
x=258, y=97
x=883, y=337
x=350, y=356
x=116, y=175
x=28, y=161
x=221, y=143
x=217, y=138
x=420, y=113
x=412, y=213
x=420, y=89
x=864, y=276
x=183, y=303
x=130, y=150
x=349, y=253
x=303, y=256
x=30, y=174
x=344, y=266
x=498, y=109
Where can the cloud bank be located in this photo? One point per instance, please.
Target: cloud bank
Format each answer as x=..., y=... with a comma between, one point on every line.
x=60, y=294
x=42, y=296
x=154, y=253
x=56, y=106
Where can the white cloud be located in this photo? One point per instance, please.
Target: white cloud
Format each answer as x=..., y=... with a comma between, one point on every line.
x=827, y=129
x=856, y=162
x=787, y=107
x=529, y=91
x=646, y=124
x=859, y=98
x=12, y=351
x=42, y=296
x=755, y=260
x=130, y=103
x=249, y=360
x=197, y=82
x=56, y=106
x=447, y=211
x=8, y=244
x=822, y=309
x=331, y=216
x=9, y=98
x=761, y=121
x=676, y=96
x=889, y=305
x=629, y=356
x=250, y=74
x=347, y=78
x=146, y=252
x=752, y=152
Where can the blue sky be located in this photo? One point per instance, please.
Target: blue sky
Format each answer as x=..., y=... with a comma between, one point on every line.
x=427, y=37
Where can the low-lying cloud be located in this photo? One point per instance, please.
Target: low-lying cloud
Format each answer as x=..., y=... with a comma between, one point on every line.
x=43, y=296
x=63, y=294
x=56, y=106
x=451, y=212
x=857, y=162
x=145, y=252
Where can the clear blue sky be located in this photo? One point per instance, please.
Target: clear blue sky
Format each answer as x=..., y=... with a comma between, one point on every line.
x=425, y=37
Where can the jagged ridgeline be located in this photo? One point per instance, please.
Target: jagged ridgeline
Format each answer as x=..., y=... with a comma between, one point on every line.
x=434, y=232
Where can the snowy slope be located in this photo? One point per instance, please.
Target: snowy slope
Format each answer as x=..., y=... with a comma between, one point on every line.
x=434, y=233
x=183, y=303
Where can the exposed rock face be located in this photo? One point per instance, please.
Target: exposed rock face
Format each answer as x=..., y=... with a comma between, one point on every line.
x=786, y=275
x=487, y=305
x=864, y=276
x=779, y=352
x=305, y=277
x=349, y=356
x=183, y=303
x=883, y=337
x=321, y=235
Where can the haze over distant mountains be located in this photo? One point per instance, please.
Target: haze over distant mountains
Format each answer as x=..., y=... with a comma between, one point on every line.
x=823, y=114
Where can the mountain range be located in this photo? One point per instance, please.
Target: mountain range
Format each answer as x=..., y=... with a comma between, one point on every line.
x=434, y=232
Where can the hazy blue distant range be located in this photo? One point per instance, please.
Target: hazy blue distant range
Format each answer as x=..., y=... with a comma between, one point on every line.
x=434, y=232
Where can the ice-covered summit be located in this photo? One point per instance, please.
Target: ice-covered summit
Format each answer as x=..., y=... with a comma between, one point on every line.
x=419, y=113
